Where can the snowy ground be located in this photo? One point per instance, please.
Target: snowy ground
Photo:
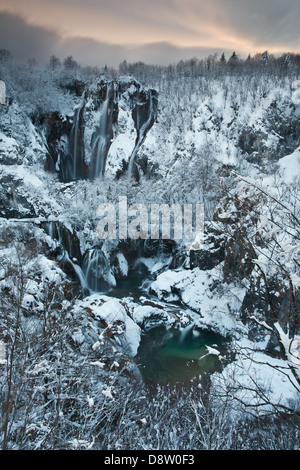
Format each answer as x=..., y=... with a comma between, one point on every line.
x=194, y=138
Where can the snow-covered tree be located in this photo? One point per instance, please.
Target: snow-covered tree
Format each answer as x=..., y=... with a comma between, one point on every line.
x=262, y=225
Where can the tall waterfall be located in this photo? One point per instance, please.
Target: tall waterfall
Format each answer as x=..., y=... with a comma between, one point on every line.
x=142, y=129
x=103, y=134
x=74, y=139
x=79, y=146
x=77, y=168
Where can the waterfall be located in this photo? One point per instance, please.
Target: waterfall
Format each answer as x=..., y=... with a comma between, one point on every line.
x=70, y=246
x=104, y=134
x=79, y=145
x=94, y=126
x=92, y=269
x=75, y=166
x=76, y=148
x=80, y=274
x=141, y=133
x=186, y=332
x=74, y=136
x=97, y=272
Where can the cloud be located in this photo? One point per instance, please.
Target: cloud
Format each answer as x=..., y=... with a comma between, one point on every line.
x=270, y=23
x=98, y=32
x=27, y=41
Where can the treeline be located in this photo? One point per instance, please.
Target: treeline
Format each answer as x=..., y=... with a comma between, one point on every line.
x=193, y=67
x=216, y=65
x=26, y=82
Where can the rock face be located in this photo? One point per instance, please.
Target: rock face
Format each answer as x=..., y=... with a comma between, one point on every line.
x=79, y=146
x=56, y=130
x=279, y=136
x=67, y=239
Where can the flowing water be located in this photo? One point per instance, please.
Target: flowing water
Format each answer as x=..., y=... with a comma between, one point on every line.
x=176, y=356
x=75, y=170
x=165, y=356
x=103, y=135
x=131, y=286
x=141, y=134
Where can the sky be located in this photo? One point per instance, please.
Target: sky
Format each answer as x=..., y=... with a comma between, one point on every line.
x=106, y=32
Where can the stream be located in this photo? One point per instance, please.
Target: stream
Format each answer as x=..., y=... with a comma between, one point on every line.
x=169, y=355
x=166, y=354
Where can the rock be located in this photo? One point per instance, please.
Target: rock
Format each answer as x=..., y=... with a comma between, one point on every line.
x=79, y=146
x=56, y=128
x=67, y=239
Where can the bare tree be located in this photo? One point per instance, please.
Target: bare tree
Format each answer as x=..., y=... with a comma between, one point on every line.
x=263, y=234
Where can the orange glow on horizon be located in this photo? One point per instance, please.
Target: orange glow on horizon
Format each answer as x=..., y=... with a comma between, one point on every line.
x=181, y=27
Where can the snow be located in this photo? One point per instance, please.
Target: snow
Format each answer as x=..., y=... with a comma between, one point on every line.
x=110, y=311
x=133, y=335
x=90, y=401
x=195, y=289
x=2, y=92
x=114, y=313
x=212, y=351
x=258, y=372
x=291, y=347
x=154, y=264
x=289, y=167
x=50, y=271
x=147, y=314
x=107, y=393
x=2, y=353
x=204, y=129
x=78, y=337
x=99, y=364
x=123, y=265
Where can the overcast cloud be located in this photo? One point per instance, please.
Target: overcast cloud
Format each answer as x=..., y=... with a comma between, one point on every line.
x=98, y=32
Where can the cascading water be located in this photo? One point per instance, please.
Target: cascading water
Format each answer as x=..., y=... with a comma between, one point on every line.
x=92, y=269
x=142, y=129
x=74, y=137
x=186, y=333
x=96, y=270
x=79, y=147
x=174, y=355
x=103, y=134
x=76, y=169
x=70, y=249
x=80, y=274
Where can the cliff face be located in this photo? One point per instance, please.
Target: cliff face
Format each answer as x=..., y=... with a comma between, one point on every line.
x=180, y=151
x=91, y=142
x=217, y=142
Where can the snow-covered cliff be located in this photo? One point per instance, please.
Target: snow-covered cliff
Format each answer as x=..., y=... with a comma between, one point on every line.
x=231, y=143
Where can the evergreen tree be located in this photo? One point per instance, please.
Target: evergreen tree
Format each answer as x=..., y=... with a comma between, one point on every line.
x=265, y=57
x=223, y=58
